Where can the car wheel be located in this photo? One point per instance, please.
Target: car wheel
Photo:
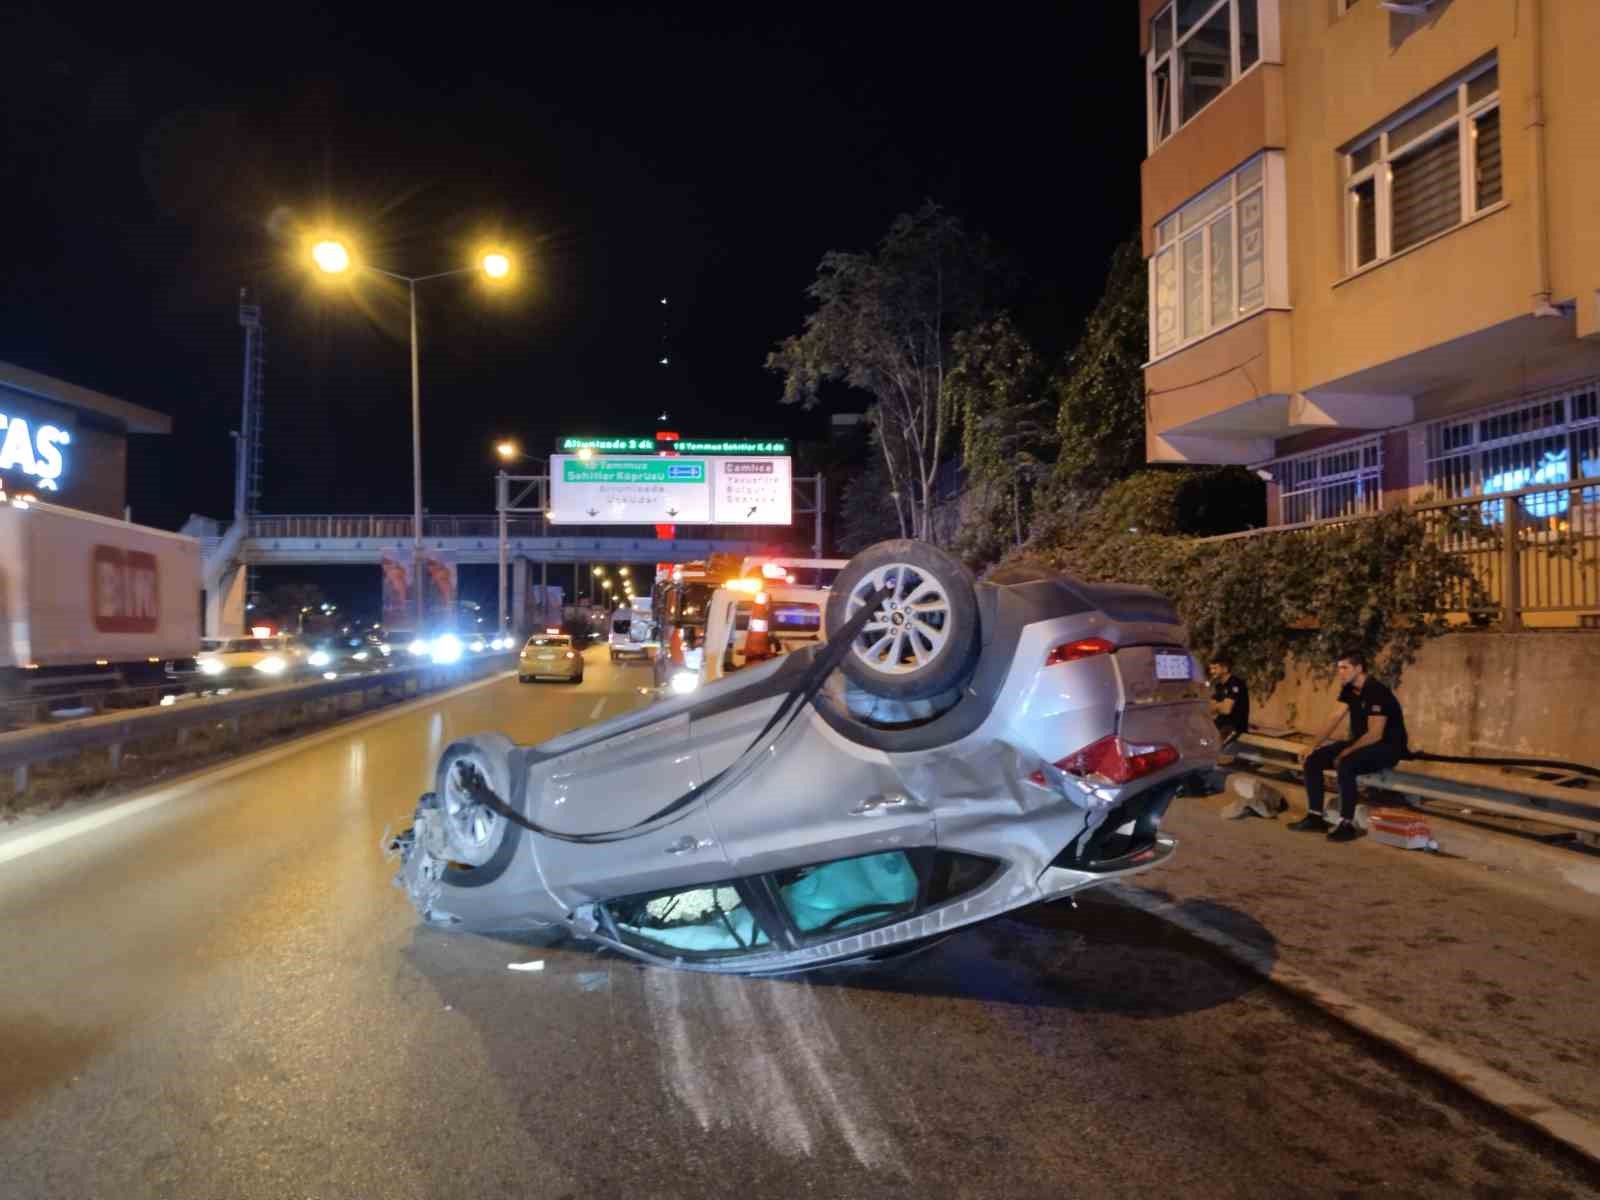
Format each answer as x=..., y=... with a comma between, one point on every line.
x=923, y=639
x=474, y=831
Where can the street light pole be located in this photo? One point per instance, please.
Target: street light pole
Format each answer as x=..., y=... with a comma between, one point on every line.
x=501, y=499
x=334, y=258
x=416, y=461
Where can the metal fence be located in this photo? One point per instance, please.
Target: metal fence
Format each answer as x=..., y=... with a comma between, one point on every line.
x=1535, y=551
x=397, y=529
x=21, y=750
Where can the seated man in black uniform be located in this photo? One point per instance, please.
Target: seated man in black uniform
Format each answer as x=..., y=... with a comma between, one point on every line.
x=1377, y=740
x=1230, y=699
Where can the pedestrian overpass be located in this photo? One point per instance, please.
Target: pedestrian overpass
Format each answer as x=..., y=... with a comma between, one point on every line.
x=529, y=547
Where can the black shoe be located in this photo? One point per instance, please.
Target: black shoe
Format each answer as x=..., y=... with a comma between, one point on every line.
x=1310, y=823
x=1344, y=831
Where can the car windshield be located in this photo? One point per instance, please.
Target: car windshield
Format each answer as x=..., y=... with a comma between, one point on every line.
x=687, y=606
x=549, y=641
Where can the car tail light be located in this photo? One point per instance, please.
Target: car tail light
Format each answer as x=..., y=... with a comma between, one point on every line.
x=1112, y=760
x=1082, y=648
x=570, y=654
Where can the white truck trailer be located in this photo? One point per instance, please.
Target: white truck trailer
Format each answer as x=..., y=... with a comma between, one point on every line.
x=88, y=600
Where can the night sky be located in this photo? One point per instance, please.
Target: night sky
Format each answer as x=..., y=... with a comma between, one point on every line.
x=155, y=164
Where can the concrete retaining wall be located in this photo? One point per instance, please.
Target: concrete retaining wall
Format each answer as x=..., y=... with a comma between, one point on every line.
x=1477, y=693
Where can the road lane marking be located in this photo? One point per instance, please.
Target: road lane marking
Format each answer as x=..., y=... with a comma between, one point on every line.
x=594, y=713
x=13, y=848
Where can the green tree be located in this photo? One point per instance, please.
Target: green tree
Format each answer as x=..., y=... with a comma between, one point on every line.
x=1100, y=388
x=1008, y=436
x=884, y=324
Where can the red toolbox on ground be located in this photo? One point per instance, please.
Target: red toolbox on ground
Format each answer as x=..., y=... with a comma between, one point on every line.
x=1399, y=827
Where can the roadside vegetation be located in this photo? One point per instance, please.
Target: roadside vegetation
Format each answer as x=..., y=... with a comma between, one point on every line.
x=1008, y=453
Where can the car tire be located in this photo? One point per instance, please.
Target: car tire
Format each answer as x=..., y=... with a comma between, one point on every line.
x=908, y=652
x=475, y=832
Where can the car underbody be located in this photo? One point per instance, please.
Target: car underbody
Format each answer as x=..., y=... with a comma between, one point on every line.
x=845, y=801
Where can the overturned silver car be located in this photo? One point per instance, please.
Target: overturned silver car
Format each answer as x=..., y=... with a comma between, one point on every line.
x=951, y=752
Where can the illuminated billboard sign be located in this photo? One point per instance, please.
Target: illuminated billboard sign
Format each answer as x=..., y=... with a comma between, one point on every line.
x=605, y=489
x=35, y=452
x=673, y=443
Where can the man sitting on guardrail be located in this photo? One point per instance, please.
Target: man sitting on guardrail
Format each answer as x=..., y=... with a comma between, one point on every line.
x=1230, y=699
x=1377, y=741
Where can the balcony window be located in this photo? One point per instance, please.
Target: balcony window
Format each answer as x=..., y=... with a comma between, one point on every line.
x=1198, y=49
x=1209, y=268
x=1426, y=171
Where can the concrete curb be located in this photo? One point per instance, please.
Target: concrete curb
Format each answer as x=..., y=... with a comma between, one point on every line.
x=1500, y=1090
x=40, y=835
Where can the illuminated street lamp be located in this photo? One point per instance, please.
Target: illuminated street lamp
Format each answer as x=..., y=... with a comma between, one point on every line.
x=333, y=257
x=622, y=570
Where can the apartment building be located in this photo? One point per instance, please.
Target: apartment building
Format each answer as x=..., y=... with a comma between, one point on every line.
x=1373, y=233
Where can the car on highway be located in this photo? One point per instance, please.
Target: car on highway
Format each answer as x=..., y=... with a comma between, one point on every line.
x=342, y=653
x=402, y=647
x=953, y=751
x=550, y=656
x=250, y=659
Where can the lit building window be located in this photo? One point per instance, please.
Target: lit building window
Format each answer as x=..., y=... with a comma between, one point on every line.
x=1551, y=439
x=1427, y=170
x=1325, y=485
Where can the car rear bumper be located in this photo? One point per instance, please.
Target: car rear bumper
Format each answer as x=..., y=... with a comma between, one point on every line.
x=543, y=670
x=1060, y=879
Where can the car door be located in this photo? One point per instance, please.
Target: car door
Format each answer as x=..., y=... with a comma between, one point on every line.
x=818, y=798
x=612, y=784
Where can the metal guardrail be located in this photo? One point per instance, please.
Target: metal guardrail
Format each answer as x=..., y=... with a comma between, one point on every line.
x=22, y=749
x=1534, y=550
x=91, y=694
x=1481, y=788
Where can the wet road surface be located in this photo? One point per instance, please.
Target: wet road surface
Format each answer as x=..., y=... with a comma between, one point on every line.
x=224, y=996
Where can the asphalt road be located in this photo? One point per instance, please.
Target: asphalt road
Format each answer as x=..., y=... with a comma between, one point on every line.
x=222, y=996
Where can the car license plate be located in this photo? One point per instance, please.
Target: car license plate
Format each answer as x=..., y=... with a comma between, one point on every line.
x=1172, y=666
x=547, y=654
